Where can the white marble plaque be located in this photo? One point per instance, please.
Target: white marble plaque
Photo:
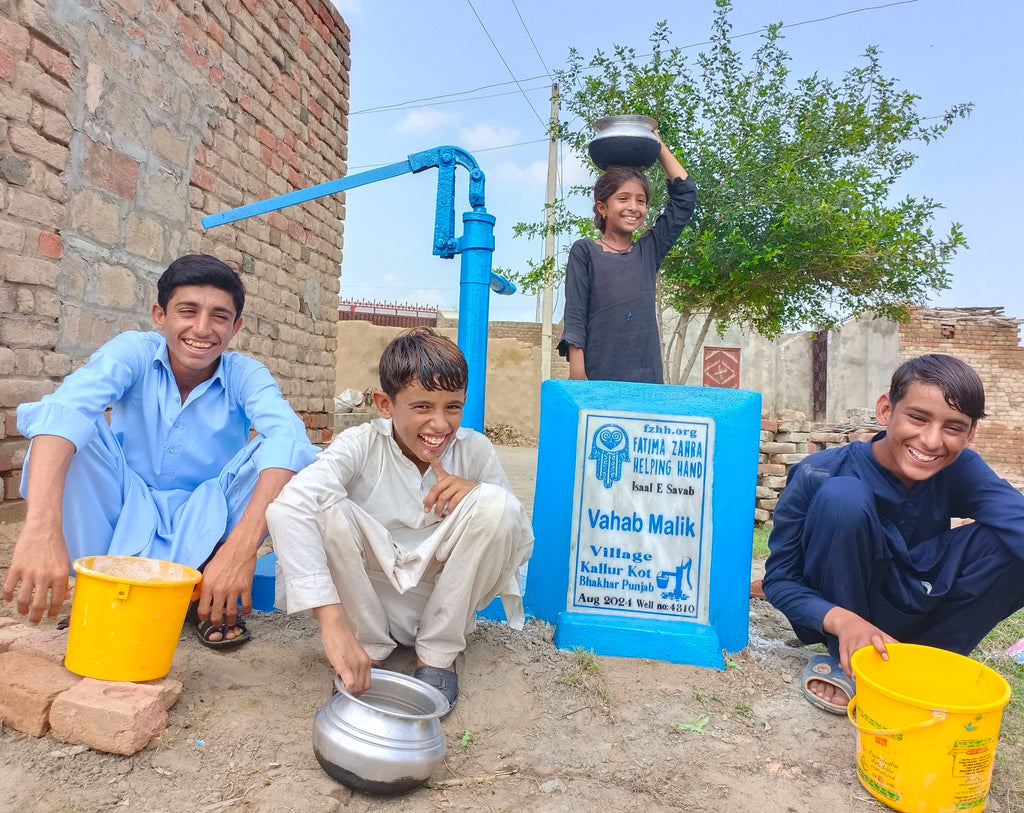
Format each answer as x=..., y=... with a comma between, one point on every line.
x=641, y=529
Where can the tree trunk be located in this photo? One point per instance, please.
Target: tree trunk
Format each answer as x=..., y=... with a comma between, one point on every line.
x=709, y=317
x=676, y=344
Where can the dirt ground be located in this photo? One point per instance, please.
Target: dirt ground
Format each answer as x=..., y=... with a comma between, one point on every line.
x=536, y=729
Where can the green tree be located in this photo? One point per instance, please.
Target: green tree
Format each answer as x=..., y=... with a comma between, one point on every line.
x=795, y=222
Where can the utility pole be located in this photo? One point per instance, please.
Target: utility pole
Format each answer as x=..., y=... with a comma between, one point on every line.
x=549, y=239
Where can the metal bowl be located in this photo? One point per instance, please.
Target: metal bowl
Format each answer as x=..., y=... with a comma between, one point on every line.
x=386, y=741
x=625, y=141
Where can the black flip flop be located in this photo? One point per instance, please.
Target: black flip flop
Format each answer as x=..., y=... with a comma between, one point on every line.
x=205, y=628
x=445, y=681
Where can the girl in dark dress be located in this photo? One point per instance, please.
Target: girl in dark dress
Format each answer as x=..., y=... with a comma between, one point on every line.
x=610, y=329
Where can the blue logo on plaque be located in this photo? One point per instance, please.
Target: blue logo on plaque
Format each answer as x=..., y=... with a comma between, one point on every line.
x=609, y=450
x=676, y=576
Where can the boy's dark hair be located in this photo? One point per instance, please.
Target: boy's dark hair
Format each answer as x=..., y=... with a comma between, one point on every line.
x=424, y=356
x=200, y=269
x=960, y=384
x=607, y=184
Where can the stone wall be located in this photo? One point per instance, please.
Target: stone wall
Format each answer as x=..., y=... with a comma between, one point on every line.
x=989, y=342
x=122, y=123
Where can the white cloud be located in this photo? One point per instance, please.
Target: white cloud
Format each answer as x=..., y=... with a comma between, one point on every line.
x=484, y=136
x=512, y=172
x=574, y=171
x=424, y=120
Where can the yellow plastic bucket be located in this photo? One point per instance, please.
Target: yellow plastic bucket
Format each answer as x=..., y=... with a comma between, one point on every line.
x=126, y=616
x=928, y=722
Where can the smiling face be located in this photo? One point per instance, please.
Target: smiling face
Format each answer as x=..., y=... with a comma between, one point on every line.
x=625, y=208
x=923, y=434
x=199, y=323
x=423, y=421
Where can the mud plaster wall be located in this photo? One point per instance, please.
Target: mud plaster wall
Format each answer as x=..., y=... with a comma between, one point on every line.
x=513, y=369
x=122, y=123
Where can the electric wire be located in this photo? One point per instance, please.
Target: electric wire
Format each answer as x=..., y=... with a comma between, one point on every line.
x=515, y=81
x=483, y=149
x=536, y=50
x=503, y=62
x=454, y=101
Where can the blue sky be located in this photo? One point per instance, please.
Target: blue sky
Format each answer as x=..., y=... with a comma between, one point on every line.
x=404, y=51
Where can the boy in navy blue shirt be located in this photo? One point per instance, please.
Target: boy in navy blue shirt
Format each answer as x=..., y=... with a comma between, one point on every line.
x=862, y=553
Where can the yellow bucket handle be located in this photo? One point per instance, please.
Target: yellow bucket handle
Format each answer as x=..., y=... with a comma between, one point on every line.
x=938, y=715
x=122, y=591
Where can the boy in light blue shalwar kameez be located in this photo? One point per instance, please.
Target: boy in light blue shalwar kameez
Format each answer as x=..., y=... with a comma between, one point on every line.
x=175, y=473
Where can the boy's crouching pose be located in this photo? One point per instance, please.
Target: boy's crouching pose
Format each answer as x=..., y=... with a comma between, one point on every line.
x=862, y=553
x=404, y=527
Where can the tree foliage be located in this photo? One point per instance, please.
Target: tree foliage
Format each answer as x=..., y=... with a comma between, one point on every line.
x=795, y=222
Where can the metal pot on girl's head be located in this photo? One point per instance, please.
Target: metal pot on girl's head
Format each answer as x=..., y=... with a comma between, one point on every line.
x=625, y=141
x=386, y=741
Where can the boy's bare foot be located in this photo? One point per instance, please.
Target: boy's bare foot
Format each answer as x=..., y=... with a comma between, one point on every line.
x=222, y=636
x=828, y=693
x=826, y=684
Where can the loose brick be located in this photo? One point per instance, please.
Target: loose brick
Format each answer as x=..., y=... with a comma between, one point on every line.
x=778, y=448
x=170, y=690
x=115, y=717
x=49, y=644
x=13, y=632
x=28, y=686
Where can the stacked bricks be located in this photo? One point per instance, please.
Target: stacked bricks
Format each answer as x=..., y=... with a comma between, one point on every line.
x=787, y=440
x=121, y=125
x=990, y=342
x=38, y=694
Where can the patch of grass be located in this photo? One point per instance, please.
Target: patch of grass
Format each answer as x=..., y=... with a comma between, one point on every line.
x=585, y=673
x=1008, y=776
x=743, y=710
x=761, y=541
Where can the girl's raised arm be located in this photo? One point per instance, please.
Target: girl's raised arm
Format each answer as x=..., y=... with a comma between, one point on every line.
x=669, y=162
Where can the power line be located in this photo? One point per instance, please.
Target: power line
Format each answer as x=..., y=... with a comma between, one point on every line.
x=503, y=62
x=536, y=50
x=446, y=96
x=484, y=149
x=411, y=106
x=515, y=81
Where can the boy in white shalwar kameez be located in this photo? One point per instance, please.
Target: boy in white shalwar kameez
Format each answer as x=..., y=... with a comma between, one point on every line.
x=403, y=527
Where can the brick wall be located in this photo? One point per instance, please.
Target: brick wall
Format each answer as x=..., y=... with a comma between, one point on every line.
x=122, y=123
x=990, y=343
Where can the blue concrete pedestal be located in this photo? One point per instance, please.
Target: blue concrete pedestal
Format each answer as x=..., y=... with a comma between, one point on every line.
x=263, y=583
x=674, y=641
x=643, y=519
